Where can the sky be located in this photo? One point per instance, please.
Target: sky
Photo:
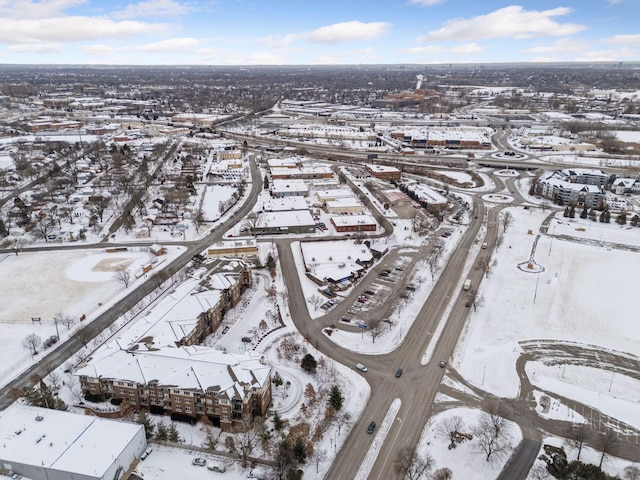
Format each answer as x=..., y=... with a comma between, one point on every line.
x=306, y=32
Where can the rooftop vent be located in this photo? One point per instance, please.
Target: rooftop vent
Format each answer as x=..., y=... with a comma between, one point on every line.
x=39, y=418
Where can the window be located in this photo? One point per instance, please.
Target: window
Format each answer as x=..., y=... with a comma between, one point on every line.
x=178, y=408
x=187, y=400
x=188, y=409
x=130, y=392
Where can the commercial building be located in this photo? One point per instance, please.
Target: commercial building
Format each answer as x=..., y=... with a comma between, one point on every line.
x=44, y=444
x=383, y=172
x=354, y=223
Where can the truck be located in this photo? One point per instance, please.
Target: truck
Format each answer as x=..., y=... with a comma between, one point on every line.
x=467, y=284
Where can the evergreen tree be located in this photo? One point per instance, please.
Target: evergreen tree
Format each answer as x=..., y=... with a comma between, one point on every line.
x=300, y=450
x=309, y=364
x=278, y=424
x=161, y=432
x=173, y=435
x=335, y=398
x=143, y=419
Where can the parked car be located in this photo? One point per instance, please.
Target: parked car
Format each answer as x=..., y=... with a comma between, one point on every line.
x=247, y=339
x=369, y=292
x=443, y=364
x=215, y=467
x=398, y=373
x=361, y=367
x=371, y=427
x=198, y=461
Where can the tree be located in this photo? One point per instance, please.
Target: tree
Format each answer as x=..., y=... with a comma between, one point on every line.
x=444, y=473
x=310, y=395
x=300, y=450
x=376, y=330
x=162, y=433
x=493, y=436
x=284, y=462
x=278, y=423
x=63, y=319
x=577, y=435
x=632, y=472
x=411, y=466
x=172, y=434
x=335, y=398
x=123, y=276
x=246, y=441
x=32, y=342
x=606, y=442
x=143, y=419
x=315, y=301
x=309, y=364
x=450, y=429
x=507, y=220
x=83, y=336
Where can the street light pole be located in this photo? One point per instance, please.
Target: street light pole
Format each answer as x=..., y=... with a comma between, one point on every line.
x=535, y=294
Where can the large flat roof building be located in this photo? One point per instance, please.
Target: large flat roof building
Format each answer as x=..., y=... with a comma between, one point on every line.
x=45, y=444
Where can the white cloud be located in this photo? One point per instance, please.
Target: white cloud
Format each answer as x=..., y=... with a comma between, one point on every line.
x=61, y=29
x=630, y=39
x=348, y=31
x=36, y=47
x=279, y=41
x=614, y=2
x=463, y=49
x=563, y=45
x=25, y=9
x=170, y=44
x=152, y=8
x=512, y=21
x=425, y=3
x=101, y=50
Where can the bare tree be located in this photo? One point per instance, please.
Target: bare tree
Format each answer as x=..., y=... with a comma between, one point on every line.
x=246, y=442
x=433, y=261
x=319, y=456
x=63, y=319
x=315, y=301
x=632, y=472
x=32, y=342
x=507, y=220
x=123, y=276
x=540, y=472
x=376, y=329
x=606, y=442
x=56, y=380
x=450, y=429
x=493, y=435
x=577, y=435
x=444, y=473
x=83, y=336
x=411, y=466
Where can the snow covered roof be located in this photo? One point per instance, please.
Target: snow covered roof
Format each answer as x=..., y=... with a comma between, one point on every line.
x=293, y=202
x=61, y=440
x=339, y=251
x=189, y=368
x=428, y=194
x=381, y=168
x=290, y=185
x=288, y=218
x=350, y=220
x=344, y=202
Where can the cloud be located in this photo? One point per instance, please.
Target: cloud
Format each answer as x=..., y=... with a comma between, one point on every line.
x=348, y=31
x=61, y=29
x=101, y=50
x=614, y=2
x=152, y=8
x=630, y=39
x=563, y=45
x=512, y=22
x=36, y=48
x=279, y=41
x=463, y=49
x=25, y=9
x=170, y=44
x=425, y=3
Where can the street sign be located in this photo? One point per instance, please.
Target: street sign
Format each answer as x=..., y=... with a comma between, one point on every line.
x=362, y=326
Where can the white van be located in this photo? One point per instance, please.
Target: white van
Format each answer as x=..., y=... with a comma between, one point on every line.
x=484, y=245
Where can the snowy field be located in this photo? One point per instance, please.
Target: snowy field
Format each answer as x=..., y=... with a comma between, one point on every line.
x=44, y=284
x=566, y=301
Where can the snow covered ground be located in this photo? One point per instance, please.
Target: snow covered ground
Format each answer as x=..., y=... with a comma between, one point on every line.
x=566, y=301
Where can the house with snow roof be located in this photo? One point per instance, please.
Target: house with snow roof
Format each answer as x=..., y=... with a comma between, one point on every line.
x=188, y=383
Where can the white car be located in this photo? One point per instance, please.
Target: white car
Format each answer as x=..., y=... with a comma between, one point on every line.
x=200, y=462
x=361, y=367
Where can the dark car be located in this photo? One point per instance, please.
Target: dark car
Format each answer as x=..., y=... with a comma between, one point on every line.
x=369, y=292
x=398, y=373
x=247, y=339
x=371, y=427
x=468, y=304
